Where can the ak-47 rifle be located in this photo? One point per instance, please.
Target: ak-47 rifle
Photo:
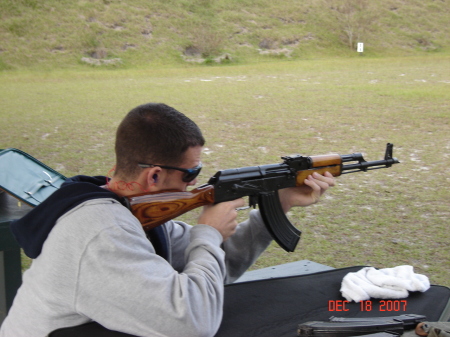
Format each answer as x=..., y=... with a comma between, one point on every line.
x=259, y=183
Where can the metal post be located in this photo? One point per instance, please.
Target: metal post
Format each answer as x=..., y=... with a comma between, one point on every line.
x=10, y=256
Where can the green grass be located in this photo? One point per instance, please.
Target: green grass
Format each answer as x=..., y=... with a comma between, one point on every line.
x=253, y=114
x=58, y=34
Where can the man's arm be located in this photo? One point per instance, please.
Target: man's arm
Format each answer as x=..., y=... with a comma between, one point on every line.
x=125, y=286
x=245, y=246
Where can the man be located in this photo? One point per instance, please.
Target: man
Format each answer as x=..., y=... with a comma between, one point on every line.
x=93, y=261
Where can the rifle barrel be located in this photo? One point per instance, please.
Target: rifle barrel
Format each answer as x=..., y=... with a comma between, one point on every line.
x=364, y=165
x=369, y=165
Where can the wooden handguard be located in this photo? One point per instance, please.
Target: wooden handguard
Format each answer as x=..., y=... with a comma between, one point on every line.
x=154, y=209
x=321, y=164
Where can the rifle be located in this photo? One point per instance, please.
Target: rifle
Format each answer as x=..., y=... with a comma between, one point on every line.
x=259, y=183
x=367, y=326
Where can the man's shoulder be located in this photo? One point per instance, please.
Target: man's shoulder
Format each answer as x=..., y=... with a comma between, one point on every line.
x=95, y=224
x=93, y=216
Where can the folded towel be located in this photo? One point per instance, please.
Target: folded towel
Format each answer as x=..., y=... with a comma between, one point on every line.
x=388, y=283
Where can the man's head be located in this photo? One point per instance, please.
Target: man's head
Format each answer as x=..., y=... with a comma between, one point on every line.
x=154, y=134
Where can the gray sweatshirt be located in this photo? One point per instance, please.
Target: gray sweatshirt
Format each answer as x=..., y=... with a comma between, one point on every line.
x=97, y=264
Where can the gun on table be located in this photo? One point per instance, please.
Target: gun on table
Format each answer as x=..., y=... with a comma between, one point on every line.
x=367, y=326
x=260, y=184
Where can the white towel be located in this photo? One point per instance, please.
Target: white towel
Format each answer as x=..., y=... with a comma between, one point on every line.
x=388, y=283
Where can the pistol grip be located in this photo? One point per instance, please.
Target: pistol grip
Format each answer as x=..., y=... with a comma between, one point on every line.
x=278, y=225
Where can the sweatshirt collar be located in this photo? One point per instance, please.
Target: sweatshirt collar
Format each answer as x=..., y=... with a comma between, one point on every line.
x=32, y=230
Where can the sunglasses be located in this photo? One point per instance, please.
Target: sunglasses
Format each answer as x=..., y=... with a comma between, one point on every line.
x=188, y=176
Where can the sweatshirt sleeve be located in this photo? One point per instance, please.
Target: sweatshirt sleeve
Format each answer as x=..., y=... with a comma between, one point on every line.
x=245, y=246
x=124, y=286
x=242, y=249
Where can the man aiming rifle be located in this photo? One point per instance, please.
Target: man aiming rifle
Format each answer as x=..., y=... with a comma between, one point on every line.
x=94, y=262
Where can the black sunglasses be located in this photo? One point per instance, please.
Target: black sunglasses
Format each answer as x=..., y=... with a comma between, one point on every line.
x=188, y=176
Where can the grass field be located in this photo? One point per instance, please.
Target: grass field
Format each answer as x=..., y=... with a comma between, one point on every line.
x=253, y=114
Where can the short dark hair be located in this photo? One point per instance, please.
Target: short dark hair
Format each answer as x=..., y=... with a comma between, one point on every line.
x=154, y=133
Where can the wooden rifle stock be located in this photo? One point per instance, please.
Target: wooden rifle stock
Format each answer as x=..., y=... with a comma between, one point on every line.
x=154, y=209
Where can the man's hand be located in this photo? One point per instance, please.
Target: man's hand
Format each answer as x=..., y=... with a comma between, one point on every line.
x=222, y=217
x=308, y=194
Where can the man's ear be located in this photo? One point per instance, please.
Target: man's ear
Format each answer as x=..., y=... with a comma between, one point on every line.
x=151, y=177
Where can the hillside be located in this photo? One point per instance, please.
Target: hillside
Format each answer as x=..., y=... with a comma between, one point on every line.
x=60, y=33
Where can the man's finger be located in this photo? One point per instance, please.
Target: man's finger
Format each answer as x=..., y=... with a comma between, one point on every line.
x=237, y=203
